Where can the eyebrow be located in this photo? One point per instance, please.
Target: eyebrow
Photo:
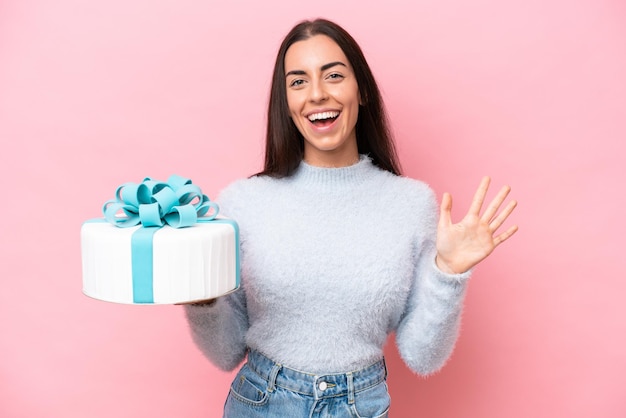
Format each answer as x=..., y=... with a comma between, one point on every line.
x=322, y=68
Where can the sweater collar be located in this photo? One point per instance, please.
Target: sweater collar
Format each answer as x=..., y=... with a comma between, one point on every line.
x=332, y=177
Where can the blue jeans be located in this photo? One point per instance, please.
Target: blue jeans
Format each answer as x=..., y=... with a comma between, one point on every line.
x=266, y=389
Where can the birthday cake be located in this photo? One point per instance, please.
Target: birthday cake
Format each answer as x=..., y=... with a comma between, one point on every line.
x=159, y=243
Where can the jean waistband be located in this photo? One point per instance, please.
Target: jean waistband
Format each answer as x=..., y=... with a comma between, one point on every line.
x=320, y=386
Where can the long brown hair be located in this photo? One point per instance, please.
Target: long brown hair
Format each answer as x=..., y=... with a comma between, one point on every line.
x=284, y=146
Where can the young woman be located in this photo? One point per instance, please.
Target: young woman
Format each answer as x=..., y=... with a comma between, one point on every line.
x=338, y=250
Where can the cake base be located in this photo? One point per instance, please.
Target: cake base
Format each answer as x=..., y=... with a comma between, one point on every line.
x=163, y=265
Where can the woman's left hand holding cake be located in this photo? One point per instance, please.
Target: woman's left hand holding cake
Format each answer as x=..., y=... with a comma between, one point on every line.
x=205, y=302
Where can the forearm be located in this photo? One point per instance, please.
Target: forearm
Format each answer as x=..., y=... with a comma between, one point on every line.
x=219, y=330
x=428, y=332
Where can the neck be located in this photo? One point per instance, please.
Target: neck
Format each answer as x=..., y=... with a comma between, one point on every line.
x=330, y=162
x=341, y=157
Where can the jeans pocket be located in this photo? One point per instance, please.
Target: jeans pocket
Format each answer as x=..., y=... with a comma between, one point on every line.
x=249, y=388
x=372, y=402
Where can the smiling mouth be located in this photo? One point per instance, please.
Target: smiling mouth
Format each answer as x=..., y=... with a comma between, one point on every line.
x=323, y=119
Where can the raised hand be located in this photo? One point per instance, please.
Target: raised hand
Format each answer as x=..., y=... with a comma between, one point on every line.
x=463, y=245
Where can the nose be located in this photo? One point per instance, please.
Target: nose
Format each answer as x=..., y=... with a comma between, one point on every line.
x=317, y=92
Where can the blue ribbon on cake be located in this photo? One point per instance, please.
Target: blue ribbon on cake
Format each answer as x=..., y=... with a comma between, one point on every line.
x=177, y=203
x=153, y=204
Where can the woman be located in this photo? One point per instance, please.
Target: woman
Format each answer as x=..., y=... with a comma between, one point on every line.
x=338, y=250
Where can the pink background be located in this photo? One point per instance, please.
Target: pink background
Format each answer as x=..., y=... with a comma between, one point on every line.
x=531, y=92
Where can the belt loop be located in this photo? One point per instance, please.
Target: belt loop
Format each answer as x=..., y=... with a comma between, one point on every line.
x=271, y=381
x=350, y=388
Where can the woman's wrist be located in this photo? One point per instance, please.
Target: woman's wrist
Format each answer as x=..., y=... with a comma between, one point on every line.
x=445, y=267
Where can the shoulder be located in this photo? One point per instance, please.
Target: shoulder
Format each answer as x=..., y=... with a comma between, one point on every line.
x=243, y=193
x=408, y=192
x=414, y=188
x=411, y=202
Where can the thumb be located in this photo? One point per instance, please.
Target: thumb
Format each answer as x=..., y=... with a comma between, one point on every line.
x=445, y=210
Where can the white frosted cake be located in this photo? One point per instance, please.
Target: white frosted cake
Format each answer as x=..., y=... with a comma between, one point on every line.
x=161, y=264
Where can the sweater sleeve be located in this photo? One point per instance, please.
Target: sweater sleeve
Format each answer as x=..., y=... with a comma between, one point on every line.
x=219, y=330
x=429, y=327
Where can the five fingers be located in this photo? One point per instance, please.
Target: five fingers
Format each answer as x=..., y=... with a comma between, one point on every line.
x=491, y=215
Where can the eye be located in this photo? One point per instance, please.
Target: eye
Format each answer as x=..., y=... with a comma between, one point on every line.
x=296, y=82
x=335, y=76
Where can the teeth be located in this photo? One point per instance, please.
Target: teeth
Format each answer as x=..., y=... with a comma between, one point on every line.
x=323, y=115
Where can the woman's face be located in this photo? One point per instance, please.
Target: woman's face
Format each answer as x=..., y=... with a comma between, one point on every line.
x=323, y=99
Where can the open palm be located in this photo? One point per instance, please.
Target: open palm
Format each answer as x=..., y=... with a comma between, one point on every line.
x=462, y=245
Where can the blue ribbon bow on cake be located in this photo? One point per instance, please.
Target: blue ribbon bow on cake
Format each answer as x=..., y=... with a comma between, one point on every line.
x=177, y=203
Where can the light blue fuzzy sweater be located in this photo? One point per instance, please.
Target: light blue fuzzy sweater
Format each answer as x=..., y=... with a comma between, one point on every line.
x=333, y=260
